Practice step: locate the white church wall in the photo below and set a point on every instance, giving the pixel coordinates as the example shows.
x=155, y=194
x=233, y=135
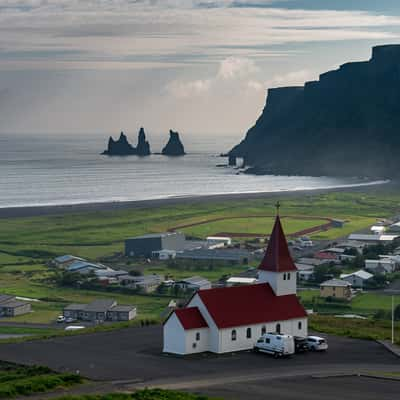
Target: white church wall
x=214, y=337
x=174, y=336
x=282, y=283
x=197, y=340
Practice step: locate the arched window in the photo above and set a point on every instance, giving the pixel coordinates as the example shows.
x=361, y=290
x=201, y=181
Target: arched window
x=263, y=330
x=288, y=276
x=278, y=328
x=284, y=277
x=233, y=335
x=299, y=325
x=197, y=336
x=248, y=333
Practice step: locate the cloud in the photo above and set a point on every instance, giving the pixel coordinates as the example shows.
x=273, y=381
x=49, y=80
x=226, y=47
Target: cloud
x=188, y=89
x=235, y=67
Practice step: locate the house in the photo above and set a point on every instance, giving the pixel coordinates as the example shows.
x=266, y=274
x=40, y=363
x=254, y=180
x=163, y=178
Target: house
x=305, y=272
x=394, y=227
x=378, y=229
x=358, y=278
x=193, y=283
x=374, y=238
x=240, y=280
x=100, y=310
x=66, y=260
x=146, y=283
x=312, y=261
x=381, y=266
x=232, y=319
x=146, y=245
x=84, y=267
x=10, y=306
x=338, y=288
x=215, y=242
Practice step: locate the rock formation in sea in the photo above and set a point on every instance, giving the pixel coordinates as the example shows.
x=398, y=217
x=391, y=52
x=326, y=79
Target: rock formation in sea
x=122, y=147
x=345, y=124
x=143, y=146
x=174, y=147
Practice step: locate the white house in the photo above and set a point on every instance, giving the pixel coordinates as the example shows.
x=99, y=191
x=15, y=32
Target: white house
x=231, y=319
x=358, y=278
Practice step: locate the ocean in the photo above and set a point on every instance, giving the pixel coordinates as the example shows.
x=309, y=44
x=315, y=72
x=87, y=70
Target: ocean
x=68, y=169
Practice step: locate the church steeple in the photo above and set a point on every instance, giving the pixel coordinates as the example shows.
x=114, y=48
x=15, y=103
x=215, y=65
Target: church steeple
x=277, y=267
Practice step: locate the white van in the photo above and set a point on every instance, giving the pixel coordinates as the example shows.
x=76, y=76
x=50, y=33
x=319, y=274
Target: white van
x=74, y=328
x=276, y=344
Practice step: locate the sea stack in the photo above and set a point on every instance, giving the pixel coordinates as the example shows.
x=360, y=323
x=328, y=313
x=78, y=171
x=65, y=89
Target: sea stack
x=143, y=146
x=174, y=147
x=122, y=147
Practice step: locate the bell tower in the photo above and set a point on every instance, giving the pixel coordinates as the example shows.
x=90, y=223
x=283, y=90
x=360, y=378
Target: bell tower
x=277, y=267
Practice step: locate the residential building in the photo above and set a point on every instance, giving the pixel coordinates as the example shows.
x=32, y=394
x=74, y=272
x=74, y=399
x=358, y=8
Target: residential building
x=215, y=242
x=10, y=306
x=374, y=238
x=336, y=288
x=146, y=245
x=358, y=278
x=381, y=266
x=145, y=283
x=66, y=260
x=100, y=310
x=236, y=256
x=231, y=319
x=193, y=283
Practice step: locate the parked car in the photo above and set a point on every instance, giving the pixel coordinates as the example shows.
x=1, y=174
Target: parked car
x=60, y=319
x=276, y=344
x=316, y=343
x=300, y=344
x=69, y=320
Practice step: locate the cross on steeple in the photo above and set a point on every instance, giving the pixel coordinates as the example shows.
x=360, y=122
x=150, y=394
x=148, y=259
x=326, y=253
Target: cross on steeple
x=278, y=206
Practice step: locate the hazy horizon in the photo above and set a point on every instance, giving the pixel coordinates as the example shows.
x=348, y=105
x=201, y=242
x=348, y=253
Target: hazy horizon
x=200, y=67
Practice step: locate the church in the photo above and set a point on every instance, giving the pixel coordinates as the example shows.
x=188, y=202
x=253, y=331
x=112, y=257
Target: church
x=231, y=319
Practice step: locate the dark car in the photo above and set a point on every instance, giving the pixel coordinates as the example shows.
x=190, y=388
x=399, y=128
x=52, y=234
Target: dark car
x=300, y=344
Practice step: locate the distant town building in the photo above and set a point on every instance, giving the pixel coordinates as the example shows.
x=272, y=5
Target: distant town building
x=239, y=280
x=146, y=245
x=145, y=283
x=100, y=310
x=194, y=283
x=374, y=238
x=66, y=260
x=358, y=278
x=336, y=288
x=381, y=266
x=10, y=306
x=236, y=256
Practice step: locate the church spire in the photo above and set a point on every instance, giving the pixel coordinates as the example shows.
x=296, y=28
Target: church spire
x=277, y=258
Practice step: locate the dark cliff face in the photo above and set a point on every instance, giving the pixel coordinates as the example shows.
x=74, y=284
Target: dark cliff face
x=122, y=147
x=345, y=124
x=174, y=147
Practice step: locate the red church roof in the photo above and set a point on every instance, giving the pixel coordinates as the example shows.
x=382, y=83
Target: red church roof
x=277, y=258
x=247, y=305
x=191, y=318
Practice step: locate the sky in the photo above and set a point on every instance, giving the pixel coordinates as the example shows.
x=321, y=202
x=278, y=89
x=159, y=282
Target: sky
x=201, y=67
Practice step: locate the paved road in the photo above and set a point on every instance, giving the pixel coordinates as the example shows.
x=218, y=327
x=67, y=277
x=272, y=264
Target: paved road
x=135, y=354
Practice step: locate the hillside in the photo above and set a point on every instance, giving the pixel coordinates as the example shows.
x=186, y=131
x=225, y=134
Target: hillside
x=345, y=124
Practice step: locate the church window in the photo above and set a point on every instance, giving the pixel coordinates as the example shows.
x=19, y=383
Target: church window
x=288, y=276
x=248, y=333
x=263, y=330
x=284, y=277
x=197, y=336
x=233, y=335
x=299, y=325
x=278, y=328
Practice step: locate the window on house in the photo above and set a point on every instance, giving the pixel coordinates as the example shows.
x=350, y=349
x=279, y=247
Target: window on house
x=263, y=330
x=198, y=336
x=299, y=325
x=284, y=277
x=194, y=345
x=233, y=335
x=248, y=333
x=288, y=276
x=278, y=328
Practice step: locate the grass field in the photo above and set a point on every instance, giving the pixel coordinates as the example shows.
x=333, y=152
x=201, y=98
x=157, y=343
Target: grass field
x=26, y=244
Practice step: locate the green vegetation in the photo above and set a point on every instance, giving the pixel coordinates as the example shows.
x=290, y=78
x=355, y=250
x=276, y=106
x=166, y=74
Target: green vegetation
x=21, y=330
x=27, y=244
x=22, y=381
x=369, y=329
x=147, y=394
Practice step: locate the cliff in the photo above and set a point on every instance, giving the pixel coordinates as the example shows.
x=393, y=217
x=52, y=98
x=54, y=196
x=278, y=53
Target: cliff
x=122, y=147
x=174, y=147
x=345, y=124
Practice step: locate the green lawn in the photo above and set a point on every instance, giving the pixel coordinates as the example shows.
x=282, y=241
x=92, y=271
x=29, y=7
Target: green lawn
x=13, y=330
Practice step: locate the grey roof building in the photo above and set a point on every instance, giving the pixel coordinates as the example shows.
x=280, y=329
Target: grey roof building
x=194, y=283
x=12, y=307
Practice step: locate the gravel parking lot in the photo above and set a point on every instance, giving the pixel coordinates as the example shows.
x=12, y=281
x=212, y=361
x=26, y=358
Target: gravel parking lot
x=135, y=354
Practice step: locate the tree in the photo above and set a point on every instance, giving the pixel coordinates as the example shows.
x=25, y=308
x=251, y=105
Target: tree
x=397, y=313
